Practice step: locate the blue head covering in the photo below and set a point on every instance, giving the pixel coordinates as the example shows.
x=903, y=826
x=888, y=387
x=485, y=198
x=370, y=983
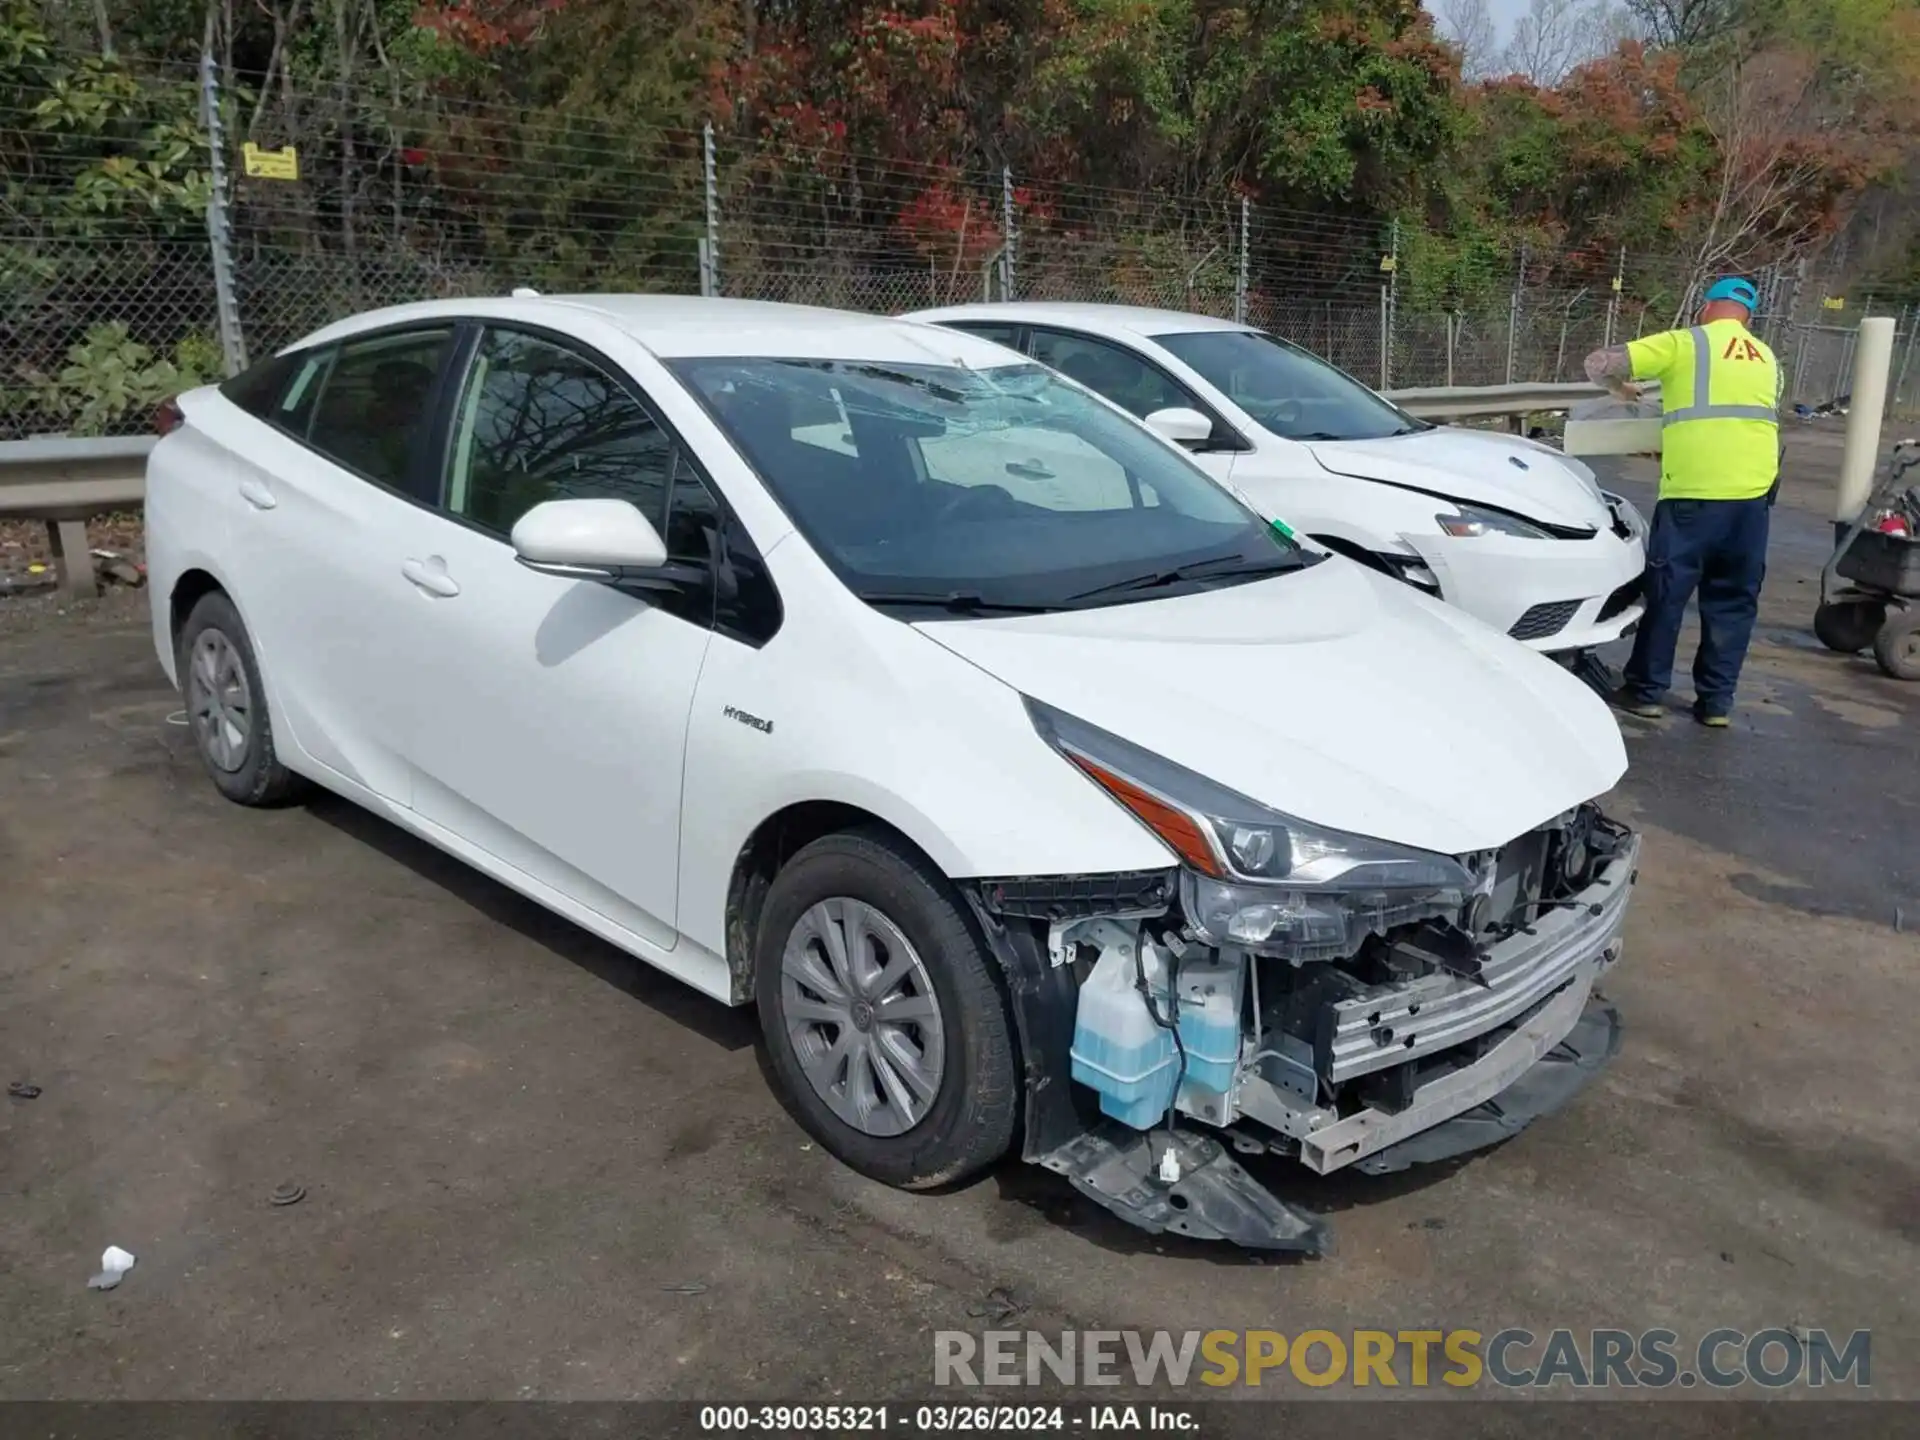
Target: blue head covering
x=1735, y=289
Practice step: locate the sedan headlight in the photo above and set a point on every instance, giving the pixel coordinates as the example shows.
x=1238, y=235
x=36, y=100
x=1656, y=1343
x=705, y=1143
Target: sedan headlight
x=1471, y=520
x=1255, y=877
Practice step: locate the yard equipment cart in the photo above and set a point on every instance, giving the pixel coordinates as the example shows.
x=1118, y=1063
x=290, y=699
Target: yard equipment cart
x=1881, y=607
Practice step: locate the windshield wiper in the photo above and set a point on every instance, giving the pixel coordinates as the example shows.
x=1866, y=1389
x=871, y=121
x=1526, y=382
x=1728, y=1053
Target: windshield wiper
x=1220, y=567
x=1318, y=435
x=961, y=602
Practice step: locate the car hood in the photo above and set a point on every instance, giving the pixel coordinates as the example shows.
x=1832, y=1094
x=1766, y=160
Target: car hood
x=1334, y=694
x=1504, y=471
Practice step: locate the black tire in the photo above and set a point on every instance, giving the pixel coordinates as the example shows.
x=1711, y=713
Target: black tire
x=971, y=1120
x=258, y=777
x=1897, y=646
x=1848, y=626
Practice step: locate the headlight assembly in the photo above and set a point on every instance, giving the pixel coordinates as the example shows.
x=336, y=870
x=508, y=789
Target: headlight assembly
x=1473, y=520
x=1251, y=875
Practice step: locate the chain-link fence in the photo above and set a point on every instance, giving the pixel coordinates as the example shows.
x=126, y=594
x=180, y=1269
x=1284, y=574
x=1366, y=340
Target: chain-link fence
x=110, y=243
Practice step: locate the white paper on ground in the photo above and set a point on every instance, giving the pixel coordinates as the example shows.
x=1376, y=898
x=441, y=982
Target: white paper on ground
x=114, y=1264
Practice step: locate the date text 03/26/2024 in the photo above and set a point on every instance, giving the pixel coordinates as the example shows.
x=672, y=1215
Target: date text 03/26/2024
x=943, y=1419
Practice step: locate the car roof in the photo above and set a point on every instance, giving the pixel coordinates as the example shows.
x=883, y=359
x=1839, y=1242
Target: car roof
x=687, y=326
x=1134, y=319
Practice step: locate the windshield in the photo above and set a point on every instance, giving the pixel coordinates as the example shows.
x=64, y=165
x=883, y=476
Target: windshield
x=980, y=490
x=1294, y=394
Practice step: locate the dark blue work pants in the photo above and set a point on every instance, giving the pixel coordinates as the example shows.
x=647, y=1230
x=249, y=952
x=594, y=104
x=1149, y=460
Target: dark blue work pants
x=1718, y=547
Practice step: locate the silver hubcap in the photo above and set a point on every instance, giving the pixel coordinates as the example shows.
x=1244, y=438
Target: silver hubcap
x=219, y=701
x=862, y=1015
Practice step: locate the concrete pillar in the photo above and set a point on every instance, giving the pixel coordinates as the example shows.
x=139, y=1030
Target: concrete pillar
x=1872, y=361
x=73, y=561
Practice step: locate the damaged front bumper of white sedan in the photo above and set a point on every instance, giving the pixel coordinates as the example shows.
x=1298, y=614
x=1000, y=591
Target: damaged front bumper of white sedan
x=1436, y=1037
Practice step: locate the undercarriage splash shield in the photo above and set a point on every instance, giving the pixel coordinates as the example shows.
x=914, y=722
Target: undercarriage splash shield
x=1214, y=1199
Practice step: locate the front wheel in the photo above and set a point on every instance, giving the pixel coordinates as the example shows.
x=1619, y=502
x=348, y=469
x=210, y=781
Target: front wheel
x=883, y=1015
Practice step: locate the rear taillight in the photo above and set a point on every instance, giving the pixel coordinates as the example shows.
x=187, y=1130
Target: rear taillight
x=167, y=418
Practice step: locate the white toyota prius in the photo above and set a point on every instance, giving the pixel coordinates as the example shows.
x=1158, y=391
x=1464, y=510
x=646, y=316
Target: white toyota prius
x=1508, y=529
x=1035, y=790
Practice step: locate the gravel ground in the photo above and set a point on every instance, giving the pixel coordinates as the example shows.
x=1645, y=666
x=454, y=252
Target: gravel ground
x=534, y=1168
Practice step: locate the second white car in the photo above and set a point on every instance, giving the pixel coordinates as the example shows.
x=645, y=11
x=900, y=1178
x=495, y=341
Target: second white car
x=1510, y=530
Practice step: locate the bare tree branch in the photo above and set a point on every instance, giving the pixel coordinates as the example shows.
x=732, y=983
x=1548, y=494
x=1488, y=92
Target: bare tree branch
x=1556, y=36
x=1467, y=25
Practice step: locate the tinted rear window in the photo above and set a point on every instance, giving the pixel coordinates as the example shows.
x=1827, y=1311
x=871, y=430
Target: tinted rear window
x=256, y=388
x=281, y=391
x=373, y=407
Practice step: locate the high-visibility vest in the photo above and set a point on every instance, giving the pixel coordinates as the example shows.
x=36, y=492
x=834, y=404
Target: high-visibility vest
x=1720, y=398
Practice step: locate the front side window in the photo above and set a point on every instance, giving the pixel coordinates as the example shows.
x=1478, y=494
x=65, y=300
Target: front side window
x=1290, y=391
x=540, y=422
x=979, y=489
x=1123, y=377
x=371, y=411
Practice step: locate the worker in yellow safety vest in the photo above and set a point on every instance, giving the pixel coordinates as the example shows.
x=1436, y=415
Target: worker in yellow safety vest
x=1719, y=473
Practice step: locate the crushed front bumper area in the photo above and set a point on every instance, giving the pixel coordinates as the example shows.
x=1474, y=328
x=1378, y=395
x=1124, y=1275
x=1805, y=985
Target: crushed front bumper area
x=1425, y=1071
x=1217, y=1199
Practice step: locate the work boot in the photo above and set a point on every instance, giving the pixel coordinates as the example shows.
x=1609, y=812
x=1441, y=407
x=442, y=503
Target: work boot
x=1711, y=719
x=1625, y=701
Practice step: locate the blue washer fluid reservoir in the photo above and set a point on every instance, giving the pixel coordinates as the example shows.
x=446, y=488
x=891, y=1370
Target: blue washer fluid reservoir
x=1118, y=1048
x=1210, y=992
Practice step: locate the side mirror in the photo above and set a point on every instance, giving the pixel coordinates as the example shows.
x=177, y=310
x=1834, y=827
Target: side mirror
x=1181, y=425
x=588, y=540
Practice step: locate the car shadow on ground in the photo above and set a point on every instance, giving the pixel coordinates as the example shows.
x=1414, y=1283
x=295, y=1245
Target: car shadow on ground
x=729, y=1027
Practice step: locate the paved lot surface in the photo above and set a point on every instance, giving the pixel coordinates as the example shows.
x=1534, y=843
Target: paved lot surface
x=535, y=1169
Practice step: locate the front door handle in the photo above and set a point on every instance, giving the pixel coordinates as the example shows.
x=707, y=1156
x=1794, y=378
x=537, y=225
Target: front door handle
x=257, y=495
x=431, y=576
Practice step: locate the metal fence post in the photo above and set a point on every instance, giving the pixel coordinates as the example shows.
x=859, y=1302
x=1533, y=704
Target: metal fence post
x=1613, y=301
x=1386, y=370
x=1786, y=301
x=1906, y=357
x=710, y=184
x=1389, y=313
x=233, y=345
x=1452, y=320
x=1513, y=311
x=1006, y=238
x=1240, y=280
x=1800, y=364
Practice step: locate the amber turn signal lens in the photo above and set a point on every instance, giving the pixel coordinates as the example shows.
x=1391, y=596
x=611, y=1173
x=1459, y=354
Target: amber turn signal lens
x=1172, y=825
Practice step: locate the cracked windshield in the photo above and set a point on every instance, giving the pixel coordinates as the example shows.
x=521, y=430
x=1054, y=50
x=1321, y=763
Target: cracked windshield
x=997, y=490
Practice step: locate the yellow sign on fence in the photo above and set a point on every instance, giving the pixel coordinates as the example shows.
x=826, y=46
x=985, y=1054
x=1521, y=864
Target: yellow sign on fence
x=1835, y=302
x=261, y=164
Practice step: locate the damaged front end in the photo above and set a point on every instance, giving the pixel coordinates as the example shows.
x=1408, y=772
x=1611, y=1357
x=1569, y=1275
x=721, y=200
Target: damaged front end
x=1296, y=992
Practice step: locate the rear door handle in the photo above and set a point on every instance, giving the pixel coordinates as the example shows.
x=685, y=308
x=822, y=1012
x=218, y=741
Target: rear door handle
x=257, y=495
x=431, y=576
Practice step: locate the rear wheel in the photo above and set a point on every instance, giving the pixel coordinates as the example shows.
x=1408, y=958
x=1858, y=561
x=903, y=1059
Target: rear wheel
x=882, y=1013
x=227, y=706
x=1897, y=646
x=1848, y=625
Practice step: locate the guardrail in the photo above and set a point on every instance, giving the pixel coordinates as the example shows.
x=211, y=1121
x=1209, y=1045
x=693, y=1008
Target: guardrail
x=66, y=482
x=1486, y=402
